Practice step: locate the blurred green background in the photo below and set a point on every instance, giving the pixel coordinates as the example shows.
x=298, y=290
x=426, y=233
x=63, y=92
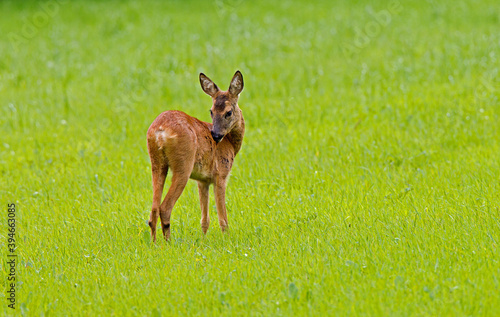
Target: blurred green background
x=368, y=181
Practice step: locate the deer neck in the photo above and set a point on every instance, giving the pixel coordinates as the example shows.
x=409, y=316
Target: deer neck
x=236, y=135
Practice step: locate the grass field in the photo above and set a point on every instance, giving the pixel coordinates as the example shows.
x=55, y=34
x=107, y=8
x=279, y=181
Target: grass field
x=368, y=182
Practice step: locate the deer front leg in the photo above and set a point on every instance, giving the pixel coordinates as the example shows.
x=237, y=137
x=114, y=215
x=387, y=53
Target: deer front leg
x=220, y=202
x=203, y=190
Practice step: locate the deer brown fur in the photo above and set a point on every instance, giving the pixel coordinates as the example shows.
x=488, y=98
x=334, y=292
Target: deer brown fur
x=194, y=149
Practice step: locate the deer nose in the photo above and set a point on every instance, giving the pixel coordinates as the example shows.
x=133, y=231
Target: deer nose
x=217, y=137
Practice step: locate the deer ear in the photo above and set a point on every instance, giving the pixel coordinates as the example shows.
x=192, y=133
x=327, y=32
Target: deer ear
x=208, y=86
x=236, y=85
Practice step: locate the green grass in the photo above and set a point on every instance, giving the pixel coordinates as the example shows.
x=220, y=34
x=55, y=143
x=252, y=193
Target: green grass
x=368, y=182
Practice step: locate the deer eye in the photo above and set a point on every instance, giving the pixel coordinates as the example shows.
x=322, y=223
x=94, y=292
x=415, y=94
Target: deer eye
x=229, y=113
x=211, y=114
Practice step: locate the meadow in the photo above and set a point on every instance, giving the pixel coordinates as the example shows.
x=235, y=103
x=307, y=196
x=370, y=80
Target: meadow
x=368, y=183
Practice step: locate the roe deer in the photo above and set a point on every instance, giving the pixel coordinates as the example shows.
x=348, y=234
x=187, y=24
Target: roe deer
x=191, y=148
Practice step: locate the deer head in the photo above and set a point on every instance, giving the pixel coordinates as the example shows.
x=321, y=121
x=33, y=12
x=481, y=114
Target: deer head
x=225, y=112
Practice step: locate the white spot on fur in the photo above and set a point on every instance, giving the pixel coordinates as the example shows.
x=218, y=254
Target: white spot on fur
x=162, y=137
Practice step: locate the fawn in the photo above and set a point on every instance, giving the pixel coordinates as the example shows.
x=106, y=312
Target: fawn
x=198, y=150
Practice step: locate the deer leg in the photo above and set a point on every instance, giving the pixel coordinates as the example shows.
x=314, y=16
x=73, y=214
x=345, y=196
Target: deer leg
x=203, y=190
x=159, y=174
x=179, y=181
x=220, y=202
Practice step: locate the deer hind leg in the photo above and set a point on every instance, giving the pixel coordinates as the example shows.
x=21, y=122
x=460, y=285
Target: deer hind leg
x=203, y=190
x=159, y=173
x=181, y=170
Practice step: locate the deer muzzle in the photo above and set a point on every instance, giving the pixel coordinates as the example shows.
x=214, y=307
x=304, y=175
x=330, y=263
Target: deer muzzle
x=217, y=137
